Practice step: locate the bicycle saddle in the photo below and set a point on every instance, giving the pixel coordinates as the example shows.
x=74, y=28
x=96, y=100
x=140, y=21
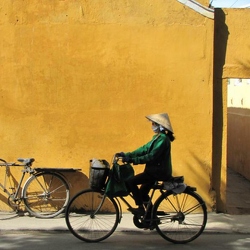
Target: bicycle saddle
x=26, y=161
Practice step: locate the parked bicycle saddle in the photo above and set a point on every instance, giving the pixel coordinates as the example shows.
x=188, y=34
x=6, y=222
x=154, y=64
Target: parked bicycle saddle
x=26, y=161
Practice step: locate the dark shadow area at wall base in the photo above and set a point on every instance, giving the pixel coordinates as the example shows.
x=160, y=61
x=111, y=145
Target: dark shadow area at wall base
x=238, y=193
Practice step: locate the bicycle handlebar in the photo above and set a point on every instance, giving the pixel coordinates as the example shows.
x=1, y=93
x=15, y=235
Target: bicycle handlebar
x=116, y=159
x=3, y=160
x=6, y=163
x=26, y=162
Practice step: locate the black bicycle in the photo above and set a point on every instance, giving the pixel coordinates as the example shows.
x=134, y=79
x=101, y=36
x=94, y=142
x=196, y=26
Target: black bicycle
x=178, y=214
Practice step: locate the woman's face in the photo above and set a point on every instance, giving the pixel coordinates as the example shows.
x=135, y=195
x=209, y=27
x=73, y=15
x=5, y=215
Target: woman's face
x=155, y=127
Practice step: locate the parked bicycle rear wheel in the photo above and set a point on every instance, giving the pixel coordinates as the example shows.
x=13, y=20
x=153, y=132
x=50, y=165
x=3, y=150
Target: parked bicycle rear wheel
x=182, y=217
x=91, y=216
x=46, y=195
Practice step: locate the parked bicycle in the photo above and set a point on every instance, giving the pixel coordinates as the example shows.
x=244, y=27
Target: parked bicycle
x=45, y=193
x=178, y=214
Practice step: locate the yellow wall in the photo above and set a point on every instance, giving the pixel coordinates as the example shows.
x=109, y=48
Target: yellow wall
x=237, y=62
x=78, y=78
x=231, y=60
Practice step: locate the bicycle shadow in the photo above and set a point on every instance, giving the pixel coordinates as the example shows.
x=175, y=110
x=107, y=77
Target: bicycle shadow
x=77, y=181
x=4, y=200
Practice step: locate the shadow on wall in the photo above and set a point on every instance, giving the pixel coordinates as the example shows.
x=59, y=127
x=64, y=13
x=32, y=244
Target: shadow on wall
x=220, y=45
x=77, y=182
x=202, y=178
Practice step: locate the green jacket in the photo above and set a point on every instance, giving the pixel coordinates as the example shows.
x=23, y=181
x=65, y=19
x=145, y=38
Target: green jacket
x=156, y=154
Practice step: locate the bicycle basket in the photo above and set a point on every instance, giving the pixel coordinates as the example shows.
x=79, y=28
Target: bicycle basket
x=98, y=173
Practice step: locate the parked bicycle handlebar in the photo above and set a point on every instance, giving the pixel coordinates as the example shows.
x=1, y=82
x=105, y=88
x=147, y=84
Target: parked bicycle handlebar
x=25, y=162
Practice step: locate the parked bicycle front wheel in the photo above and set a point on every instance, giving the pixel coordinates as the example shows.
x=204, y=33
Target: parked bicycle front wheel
x=182, y=217
x=46, y=195
x=91, y=216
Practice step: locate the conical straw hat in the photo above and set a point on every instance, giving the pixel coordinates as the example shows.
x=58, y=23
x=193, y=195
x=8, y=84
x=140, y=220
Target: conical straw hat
x=161, y=119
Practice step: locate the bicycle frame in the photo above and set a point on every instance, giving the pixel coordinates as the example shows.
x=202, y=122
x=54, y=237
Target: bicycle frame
x=13, y=196
x=149, y=205
x=17, y=195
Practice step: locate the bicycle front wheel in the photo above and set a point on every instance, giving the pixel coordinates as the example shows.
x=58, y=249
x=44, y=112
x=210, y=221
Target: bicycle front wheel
x=46, y=195
x=181, y=217
x=91, y=216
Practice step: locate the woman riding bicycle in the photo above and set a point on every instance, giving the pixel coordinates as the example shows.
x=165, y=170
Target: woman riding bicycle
x=179, y=217
x=156, y=154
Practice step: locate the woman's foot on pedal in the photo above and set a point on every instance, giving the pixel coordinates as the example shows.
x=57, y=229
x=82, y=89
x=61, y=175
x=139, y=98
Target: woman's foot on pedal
x=152, y=224
x=137, y=211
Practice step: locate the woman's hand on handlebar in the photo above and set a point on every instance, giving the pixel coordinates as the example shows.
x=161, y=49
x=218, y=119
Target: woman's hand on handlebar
x=123, y=157
x=126, y=159
x=121, y=154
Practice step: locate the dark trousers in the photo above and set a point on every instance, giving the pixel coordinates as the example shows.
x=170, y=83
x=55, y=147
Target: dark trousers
x=140, y=195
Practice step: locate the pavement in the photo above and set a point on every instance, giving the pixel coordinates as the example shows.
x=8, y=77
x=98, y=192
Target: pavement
x=236, y=220
x=217, y=223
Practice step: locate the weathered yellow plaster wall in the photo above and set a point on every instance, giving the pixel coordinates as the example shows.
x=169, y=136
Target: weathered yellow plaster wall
x=78, y=77
x=237, y=63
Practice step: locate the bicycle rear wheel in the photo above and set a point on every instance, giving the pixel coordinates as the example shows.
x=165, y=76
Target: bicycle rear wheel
x=46, y=195
x=91, y=216
x=182, y=217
